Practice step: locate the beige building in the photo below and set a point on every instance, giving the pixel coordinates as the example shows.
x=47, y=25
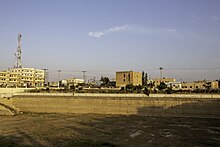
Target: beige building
x=199, y=85
x=124, y=78
x=165, y=80
x=193, y=85
x=214, y=85
x=22, y=77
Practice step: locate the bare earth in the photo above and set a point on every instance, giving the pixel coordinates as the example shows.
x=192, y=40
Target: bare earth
x=111, y=130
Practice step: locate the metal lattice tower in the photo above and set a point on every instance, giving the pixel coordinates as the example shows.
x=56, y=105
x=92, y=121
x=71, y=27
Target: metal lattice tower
x=18, y=63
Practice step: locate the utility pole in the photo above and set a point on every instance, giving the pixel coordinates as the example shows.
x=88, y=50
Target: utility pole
x=18, y=63
x=84, y=76
x=161, y=72
x=59, y=77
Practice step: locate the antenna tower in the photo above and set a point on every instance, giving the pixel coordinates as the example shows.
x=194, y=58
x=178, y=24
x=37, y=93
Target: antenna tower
x=18, y=63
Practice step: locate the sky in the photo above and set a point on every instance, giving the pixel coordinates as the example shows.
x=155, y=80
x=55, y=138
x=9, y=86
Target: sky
x=105, y=36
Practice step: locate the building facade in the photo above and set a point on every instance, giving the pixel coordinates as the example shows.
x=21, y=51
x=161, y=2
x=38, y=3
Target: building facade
x=124, y=78
x=22, y=77
x=74, y=81
x=165, y=80
x=174, y=85
x=200, y=85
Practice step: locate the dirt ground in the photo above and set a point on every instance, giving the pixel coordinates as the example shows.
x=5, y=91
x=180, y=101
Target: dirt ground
x=111, y=130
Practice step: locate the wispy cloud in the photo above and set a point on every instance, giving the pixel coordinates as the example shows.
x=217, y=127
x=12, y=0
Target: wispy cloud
x=109, y=31
x=132, y=29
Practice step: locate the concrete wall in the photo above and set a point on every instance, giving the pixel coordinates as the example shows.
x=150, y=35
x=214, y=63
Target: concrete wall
x=13, y=90
x=122, y=95
x=143, y=106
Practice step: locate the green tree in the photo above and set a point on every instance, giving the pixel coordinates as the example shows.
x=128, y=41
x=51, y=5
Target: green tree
x=105, y=81
x=169, y=90
x=145, y=79
x=129, y=87
x=146, y=91
x=207, y=86
x=138, y=88
x=162, y=86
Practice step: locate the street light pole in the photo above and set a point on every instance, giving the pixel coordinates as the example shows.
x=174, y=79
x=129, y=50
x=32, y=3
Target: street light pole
x=161, y=72
x=59, y=78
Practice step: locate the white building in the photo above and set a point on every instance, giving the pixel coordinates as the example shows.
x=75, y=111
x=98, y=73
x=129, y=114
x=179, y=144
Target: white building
x=174, y=85
x=74, y=81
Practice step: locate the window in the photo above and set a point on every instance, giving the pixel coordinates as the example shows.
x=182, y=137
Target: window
x=190, y=86
x=124, y=80
x=124, y=75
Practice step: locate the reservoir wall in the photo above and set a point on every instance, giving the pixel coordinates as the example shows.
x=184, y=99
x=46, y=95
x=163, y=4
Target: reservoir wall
x=142, y=106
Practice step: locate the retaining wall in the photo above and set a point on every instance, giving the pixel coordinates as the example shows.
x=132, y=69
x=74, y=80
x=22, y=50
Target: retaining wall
x=143, y=106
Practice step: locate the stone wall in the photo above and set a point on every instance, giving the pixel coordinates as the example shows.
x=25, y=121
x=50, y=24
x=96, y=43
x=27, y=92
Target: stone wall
x=143, y=106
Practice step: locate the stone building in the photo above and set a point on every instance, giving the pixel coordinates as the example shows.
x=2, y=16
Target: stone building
x=124, y=78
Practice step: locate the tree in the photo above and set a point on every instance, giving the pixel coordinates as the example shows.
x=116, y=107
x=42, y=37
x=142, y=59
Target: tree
x=146, y=91
x=162, y=86
x=151, y=84
x=72, y=88
x=138, y=88
x=207, y=86
x=129, y=87
x=169, y=90
x=105, y=81
x=145, y=79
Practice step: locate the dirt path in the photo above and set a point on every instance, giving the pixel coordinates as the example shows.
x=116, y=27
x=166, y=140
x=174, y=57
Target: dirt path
x=100, y=130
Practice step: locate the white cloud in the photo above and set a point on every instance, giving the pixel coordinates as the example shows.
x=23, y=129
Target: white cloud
x=109, y=31
x=132, y=29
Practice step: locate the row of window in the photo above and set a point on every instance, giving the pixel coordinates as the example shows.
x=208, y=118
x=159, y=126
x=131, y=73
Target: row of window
x=28, y=71
x=190, y=86
x=162, y=81
x=31, y=75
x=3, y=75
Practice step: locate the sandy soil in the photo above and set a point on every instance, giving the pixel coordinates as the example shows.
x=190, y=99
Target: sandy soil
x=100, y=130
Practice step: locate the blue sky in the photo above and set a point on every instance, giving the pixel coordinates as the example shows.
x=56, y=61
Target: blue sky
x=104, y=36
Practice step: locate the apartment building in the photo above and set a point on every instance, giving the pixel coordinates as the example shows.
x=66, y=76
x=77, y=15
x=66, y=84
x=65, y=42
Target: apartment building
x=22, y=77
x=4, y=78
x=124, y=78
